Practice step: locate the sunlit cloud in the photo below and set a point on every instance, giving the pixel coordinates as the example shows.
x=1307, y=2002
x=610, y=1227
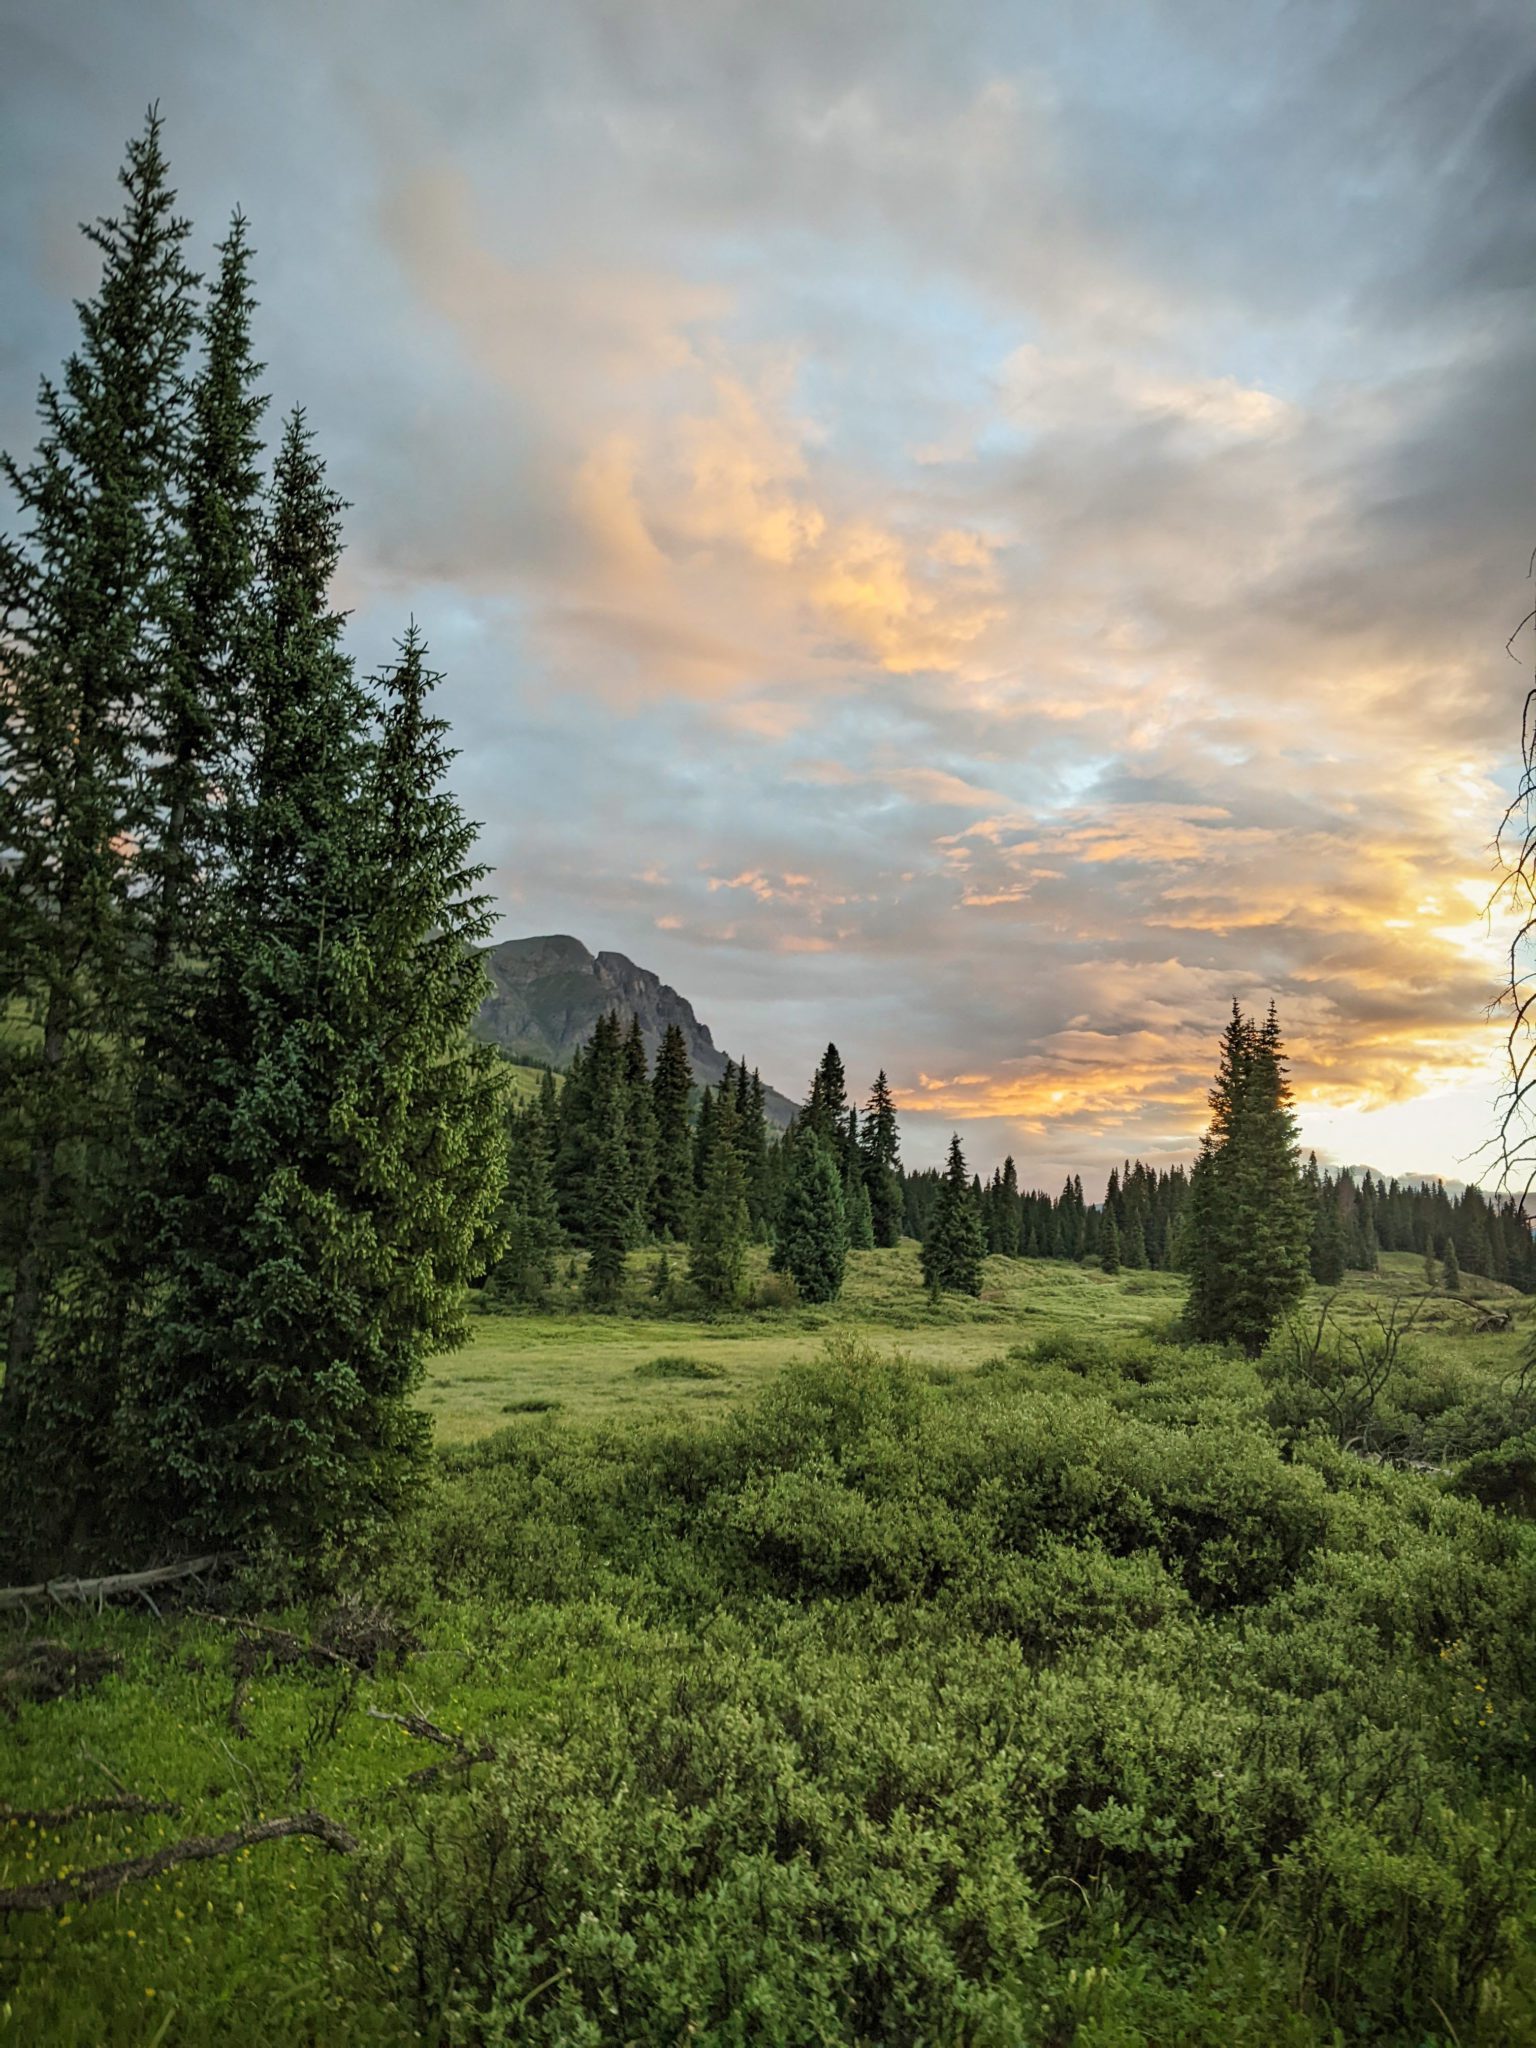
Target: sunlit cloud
x=984, y=546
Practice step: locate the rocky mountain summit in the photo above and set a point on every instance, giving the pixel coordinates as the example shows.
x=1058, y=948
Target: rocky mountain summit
x=547, y=993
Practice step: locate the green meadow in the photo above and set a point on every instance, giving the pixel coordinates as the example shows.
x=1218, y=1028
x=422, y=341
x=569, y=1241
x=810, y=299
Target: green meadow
x=592, y=1368
x=1000, y=1672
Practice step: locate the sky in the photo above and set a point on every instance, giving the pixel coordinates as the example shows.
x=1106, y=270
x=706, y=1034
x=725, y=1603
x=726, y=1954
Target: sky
x=980, y=532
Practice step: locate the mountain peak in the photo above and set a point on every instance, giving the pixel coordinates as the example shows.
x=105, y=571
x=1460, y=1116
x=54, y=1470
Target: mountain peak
x=547, y=993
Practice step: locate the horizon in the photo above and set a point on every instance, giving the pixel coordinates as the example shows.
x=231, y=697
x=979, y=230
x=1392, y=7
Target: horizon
x=980, y=547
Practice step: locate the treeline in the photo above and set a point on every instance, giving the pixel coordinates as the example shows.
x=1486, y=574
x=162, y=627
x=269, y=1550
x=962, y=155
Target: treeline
x=1352, y=1224
x=626, y=1154
x=249, y=1154
x=1136, y=1225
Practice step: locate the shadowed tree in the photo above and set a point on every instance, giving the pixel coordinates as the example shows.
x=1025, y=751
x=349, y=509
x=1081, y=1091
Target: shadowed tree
x=86, y=595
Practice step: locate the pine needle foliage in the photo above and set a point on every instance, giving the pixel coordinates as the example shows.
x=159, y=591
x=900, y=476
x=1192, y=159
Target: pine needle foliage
x=85, y=598
x=954, y=1247
x=1248, y=1220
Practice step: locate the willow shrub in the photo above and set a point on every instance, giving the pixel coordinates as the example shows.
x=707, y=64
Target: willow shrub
x=1034, y=1708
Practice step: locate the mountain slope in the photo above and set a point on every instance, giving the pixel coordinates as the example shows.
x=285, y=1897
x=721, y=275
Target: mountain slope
x=547, y=993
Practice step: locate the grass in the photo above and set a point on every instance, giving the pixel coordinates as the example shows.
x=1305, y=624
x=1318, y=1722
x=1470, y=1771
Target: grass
x=593, y=1368
x=241, y=1945
x=264, y=1947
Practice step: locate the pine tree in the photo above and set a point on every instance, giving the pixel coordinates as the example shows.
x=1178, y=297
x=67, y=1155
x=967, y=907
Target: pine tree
x=1431, y=1272
x=1248, y=1220
x=703, y=1143
x=1452, y=1267
x=196, y=706
x=596, y=1076
x=880, y=1147
x=672, y=1190
x=608, y=1223
x=640, y=1132
x=826, y=1109
x=530, y=1220
x=857, y=1210
x=812, y=1240
x=1008, y=1210
x=755, y=1151
x=718, y=1252
x=1327, y=1250
x=85, y=596
x=1109, y=1246
x=953, y=1250
x=331, y=1173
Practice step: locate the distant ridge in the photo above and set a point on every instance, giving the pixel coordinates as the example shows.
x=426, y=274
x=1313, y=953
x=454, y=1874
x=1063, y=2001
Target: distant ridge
x=547, y=993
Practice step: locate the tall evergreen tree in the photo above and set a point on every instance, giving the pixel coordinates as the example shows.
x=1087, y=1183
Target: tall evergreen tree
x=85, y=596
x=718, y=1251
x=673, y=1188
x=859, y=1216
x=1008, y=1210
x=1249, y=1222
x=812, y=1240
x=1327, y=1250
x=332, y=1171
x=1109, y=1246
x=530, y=1218
x=826, y=1109
x=880, y=1146
x=639, y=1131
x=608, y=1221
x=753, y=1112
x=1452, y=1267
x=954, y=1247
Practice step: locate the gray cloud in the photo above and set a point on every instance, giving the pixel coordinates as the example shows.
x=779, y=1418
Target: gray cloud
x=978, y=537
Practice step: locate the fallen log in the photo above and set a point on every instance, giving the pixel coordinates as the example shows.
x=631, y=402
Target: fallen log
x=83, y=1809
x=86, y=1885
x=61, y=1591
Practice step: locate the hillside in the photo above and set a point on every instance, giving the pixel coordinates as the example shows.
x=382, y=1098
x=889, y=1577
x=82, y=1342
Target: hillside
x=547, y=993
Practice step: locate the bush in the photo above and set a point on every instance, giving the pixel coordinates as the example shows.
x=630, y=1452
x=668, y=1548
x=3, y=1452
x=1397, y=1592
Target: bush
x=675, y=1366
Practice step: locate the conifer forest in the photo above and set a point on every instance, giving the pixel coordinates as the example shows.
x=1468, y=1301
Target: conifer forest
x=501, y=1552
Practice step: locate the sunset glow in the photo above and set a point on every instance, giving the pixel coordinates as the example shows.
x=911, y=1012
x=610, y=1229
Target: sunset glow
x=931, y=544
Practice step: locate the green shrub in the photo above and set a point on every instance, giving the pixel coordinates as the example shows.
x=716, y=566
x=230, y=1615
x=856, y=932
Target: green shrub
x=675, y=1366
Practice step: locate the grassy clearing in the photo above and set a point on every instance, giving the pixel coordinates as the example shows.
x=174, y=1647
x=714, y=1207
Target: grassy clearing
x=587, y=1368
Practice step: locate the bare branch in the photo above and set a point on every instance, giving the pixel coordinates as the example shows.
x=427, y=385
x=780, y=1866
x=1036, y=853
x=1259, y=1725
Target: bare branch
x=61, y=1591
x=109, y=1878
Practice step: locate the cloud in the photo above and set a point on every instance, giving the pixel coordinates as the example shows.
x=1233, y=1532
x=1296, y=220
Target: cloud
x=983, y=545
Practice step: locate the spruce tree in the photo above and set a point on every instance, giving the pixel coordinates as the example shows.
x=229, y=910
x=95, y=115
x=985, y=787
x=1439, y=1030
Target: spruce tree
x=857, y=1210
x=608, y=1221
x=640, y=1131
x=1327, y=1248
x=85, y=598
x=755, y=1153
x=530, y=1219
x=331, y=1172
x=1248, y=1219
x=718, y=1252
x=595, y=1076
x=953, y=1249
x=1008, y=1210
x=1452, y=1267
x=811, y=1243
x=826, y=1109
x=880, y=1146
x=1109, y=1246
x=672, y=1191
